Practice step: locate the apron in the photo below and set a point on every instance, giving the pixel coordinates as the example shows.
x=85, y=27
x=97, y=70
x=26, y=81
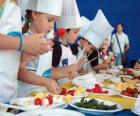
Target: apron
x=10, y=24
x=67, y=58
x=42, y=66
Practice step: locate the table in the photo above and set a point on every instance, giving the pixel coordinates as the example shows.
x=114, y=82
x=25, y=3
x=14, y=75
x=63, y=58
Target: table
x=125, y=102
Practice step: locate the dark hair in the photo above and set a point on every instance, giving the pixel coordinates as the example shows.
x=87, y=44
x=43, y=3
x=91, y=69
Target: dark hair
x=28, y=18
x=120, y=24
x=68, y=30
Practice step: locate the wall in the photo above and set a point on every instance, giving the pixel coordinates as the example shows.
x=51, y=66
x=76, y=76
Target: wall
x=125, y=11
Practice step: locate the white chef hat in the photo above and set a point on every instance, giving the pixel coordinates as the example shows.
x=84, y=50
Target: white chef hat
x=53, y=7
x=85, y=25
x=23, y=5
x=70, y=15
x=50, y=35
x=99, y=30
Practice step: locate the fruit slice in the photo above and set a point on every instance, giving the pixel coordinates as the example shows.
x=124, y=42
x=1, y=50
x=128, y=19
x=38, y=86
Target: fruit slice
x=38, y=101
x=50, y=99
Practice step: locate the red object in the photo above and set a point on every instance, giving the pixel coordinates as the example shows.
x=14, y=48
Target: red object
x=50, y=99
x=97, y=89
x=38, y=101
x=130, y=92
x=63, y=91
x=71, y=92
x=60, y=32
x=127, y=71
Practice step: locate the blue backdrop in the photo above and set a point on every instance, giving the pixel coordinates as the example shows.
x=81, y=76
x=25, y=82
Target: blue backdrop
x=125, y=11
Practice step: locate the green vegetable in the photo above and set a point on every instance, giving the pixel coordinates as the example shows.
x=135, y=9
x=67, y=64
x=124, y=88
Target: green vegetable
x=94, y=104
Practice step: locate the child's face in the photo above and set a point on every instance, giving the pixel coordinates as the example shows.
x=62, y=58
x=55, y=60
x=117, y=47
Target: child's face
x=42, y=22
x=85, y=44
x=105, y=45
x=72, y=35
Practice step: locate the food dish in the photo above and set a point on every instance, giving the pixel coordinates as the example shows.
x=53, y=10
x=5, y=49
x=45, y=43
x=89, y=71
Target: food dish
x=98, y=90
x=111, y=106
x=31, y=103
x=131, y=93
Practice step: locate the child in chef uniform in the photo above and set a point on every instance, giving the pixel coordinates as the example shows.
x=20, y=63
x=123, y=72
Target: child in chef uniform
x=93, y=38
x=41, y=16
x=64, y=59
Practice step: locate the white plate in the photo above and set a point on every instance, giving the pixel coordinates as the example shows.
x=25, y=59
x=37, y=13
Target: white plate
x=111, y=92
x=6, y=114
x=128, y=97
x=97, y=112
x=126, y=76
x=27, y=103
x=51, y=112
x=135, y=112
x=86, y=81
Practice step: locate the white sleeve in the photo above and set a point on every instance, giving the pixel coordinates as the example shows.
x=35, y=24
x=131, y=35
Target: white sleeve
x=126, y=40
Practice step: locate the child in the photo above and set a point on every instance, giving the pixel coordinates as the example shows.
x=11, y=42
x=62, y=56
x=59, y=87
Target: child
x=64, y=59
x=46, y=13
x=92, y=38
x=10, y=24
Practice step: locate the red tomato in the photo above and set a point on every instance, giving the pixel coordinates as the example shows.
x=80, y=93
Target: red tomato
x=63, y=91
x=50, y=99
x=71, y=92
x=38, y=101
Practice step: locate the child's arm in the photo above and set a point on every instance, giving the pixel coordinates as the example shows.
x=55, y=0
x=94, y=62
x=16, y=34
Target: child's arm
x=98, y=67
x=69, y=72
x=31, y=78
x=34, y=44
x=8, y=42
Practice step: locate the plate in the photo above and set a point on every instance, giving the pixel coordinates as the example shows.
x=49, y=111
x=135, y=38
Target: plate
x=111, y=92
x=51, y=112
x=135, y=112
x=128, y=97
x=86, y=81
x=27, y=103
x=6, y=114
x=97, y=112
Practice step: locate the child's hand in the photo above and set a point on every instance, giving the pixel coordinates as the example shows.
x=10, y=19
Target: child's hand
x=81, y=62
x=50, y=42
x=35, y=44
x=72, y=71
x=52, y=86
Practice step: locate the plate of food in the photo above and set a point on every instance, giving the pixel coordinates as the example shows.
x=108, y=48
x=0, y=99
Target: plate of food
x=98, y=90
x=51, y=112
x=40, y=101
x=131, y=93
x=130, y=81
x=96, y=106
x=127, y=71
x=75, y=92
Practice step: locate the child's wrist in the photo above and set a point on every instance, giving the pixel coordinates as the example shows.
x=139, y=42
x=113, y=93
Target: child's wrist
x=20, y=43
